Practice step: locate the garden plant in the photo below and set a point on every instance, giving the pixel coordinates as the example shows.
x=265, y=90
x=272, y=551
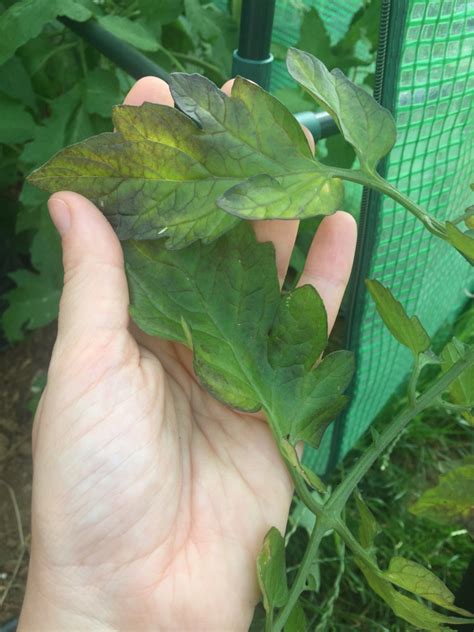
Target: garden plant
x=177, y=185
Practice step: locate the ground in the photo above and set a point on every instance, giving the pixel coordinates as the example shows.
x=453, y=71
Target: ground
x=20, y=366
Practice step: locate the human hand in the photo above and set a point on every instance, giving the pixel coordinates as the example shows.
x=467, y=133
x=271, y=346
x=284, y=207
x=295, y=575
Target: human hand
x=150, y=498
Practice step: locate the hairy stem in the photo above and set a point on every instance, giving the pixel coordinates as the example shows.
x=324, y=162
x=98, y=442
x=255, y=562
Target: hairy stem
x=375, y=181
x=329, y=514
x=413, y=380
x=318, y=533
x=346, y=487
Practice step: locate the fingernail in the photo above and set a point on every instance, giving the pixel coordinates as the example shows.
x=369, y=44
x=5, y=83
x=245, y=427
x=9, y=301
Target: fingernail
x=60, y=214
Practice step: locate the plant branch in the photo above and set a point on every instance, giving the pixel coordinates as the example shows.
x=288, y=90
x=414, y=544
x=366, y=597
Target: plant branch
x=368, y=458
x=413, y=381
x=320, y=529
x=375, y=181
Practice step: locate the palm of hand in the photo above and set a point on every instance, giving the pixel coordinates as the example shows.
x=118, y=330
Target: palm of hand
x=162, y=487
x=150, y=498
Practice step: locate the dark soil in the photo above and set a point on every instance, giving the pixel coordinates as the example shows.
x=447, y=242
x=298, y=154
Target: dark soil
x=20, y=367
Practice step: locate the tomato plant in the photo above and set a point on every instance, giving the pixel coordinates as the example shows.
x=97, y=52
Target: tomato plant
x=176, y=184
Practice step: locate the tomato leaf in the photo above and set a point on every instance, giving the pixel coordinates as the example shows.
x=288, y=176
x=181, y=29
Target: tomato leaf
x=450, y=502
x=25, y=19
x=464, y=242
x=368, y=527
x=228, y=297
x=407, y=330
x=271, y=570
x=296, y=622
x=461, y=390
x=422, y=582
x=164, y=169
x=365, y=124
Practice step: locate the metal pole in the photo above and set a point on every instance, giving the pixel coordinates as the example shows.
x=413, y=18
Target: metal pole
x=253, y=59
x=125, y=56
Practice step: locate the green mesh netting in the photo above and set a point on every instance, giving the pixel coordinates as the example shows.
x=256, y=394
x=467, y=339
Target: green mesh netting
x=432, y=163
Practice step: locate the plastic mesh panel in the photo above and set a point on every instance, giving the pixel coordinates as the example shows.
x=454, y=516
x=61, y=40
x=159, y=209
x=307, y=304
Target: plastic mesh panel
x=432, y=162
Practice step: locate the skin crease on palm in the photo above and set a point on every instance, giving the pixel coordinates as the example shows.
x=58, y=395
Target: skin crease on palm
x=150, y=498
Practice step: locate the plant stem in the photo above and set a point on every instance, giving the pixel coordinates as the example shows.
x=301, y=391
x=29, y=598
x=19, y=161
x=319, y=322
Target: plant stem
x=329, y=514
x=298, y=586
x=346, y=487
x=413, y=380
x=375, y=181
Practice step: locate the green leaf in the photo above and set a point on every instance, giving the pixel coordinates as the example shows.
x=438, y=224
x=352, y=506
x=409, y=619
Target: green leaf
x=52, y=134
x=163, y=171
x=407, y=330
x=32, y=304
x=451, y=501
x=368, y=527
x=164, y=11
x=315, y=40
x=271, y=570
x=422, y=582
x=461, y=390
x=296, y=622
x=463, y=242
x=25, y=20
x=16, y=124
x=228, y=295
x=15, y=82
x=129, y=31
x=102, y=92
x=416, y=613
x=365, y=124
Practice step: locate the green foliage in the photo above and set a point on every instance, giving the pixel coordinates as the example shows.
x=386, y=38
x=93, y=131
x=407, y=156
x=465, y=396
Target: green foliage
x=271, y=570
x=365, y=124
x=450, y=502
x=192, y=165
x=233, y=321
x=55, y=91
x=25, y=20
x=407, y=330
x=461, y=392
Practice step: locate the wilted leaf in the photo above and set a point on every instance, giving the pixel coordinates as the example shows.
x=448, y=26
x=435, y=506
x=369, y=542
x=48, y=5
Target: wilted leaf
x=271, y=570
x=162, y=172
x=25, y=19
x=365, y=124
x=422, y=582
x=451, y=501
x=228, y=296
x=407, y=330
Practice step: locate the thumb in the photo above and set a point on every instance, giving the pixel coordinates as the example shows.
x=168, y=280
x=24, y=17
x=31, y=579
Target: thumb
x=95, y=293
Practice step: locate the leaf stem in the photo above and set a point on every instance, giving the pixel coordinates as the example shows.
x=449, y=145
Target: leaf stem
x=318, y=533
x=413, y=381
x=346, y=487
x=375, y=181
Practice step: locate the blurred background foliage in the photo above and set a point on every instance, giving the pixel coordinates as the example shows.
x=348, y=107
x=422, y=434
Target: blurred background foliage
x=56, y=90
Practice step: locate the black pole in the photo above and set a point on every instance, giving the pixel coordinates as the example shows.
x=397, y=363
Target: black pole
x=253, y=59
x=125, y=56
